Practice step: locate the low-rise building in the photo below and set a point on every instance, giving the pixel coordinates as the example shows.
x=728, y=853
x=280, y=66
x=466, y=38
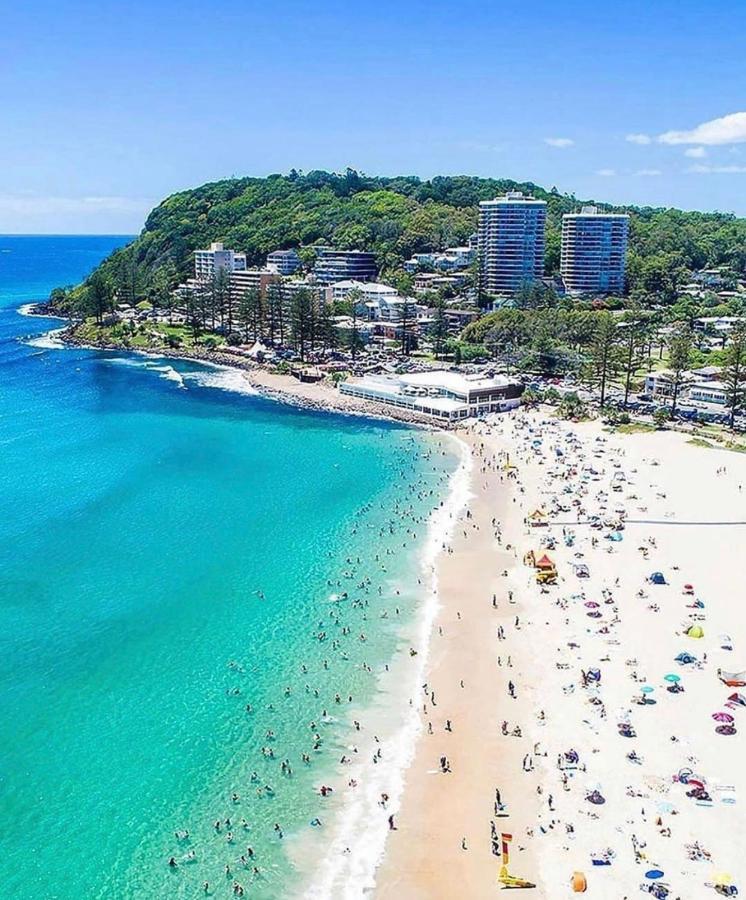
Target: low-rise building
x=449, y=259
x=341, y=265
x=443, y=394
x=707, y=392
x=369, y=291
x=430, y=281
x=283, y=262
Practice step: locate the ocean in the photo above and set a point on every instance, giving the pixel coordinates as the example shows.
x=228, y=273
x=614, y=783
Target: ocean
x=198, y=587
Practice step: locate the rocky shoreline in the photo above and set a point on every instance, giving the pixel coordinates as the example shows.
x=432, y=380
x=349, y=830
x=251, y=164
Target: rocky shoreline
x=320, y=396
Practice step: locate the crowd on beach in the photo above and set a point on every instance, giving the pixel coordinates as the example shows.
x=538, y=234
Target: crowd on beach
x=617, y=685
x=627, y=717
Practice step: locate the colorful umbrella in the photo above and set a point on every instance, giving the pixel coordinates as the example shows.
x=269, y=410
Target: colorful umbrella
x=725, y=729
x=654, y=874
x=672, y=678
x=591, y=604
x=647, y=689
x=723, y=717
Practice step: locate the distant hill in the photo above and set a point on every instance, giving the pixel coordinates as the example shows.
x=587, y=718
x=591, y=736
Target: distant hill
x=396, y=217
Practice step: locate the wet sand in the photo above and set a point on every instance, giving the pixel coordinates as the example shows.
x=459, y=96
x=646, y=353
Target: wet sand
x=425, y=858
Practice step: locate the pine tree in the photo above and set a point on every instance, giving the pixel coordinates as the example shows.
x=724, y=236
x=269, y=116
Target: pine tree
x=734, y=372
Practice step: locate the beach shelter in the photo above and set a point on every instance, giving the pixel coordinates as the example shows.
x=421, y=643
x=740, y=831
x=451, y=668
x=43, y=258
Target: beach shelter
x=732, y=679
x=657, y=578
x=738, y=698
x=695, y=631
x=544, y=563
x=537, y=517
x=687, y=658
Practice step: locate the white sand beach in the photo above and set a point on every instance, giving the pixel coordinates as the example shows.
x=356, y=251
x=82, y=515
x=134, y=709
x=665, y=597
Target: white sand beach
x=598, y=782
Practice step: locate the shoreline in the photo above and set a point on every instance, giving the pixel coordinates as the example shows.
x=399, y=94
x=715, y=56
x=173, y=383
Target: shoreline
x=425, y=856
x=319, y=396
x=645, y=819
x=359, y=843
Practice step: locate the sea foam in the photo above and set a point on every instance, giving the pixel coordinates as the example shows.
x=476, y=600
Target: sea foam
x=360, y=828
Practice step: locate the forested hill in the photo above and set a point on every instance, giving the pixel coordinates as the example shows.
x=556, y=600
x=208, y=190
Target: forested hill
x=396, y=217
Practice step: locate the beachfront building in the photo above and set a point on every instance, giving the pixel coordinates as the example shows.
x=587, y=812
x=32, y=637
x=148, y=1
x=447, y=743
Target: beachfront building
x=709, y=393
x=442, y=394
x=207, y=263
x=343, y=265
x=511, y=242
x=594, y=251
x=252, y=279
x=283, y=262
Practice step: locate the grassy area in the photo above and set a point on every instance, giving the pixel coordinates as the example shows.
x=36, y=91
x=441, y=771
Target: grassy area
x=144, y=336
x=701, y=442
x=632, y=428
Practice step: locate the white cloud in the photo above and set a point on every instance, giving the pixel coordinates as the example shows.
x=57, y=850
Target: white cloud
x=606, y=173
x=559, y=142
x=729, y=129
x=700, y=169
x=695, y=152
x=639, y=139
x=648, y=172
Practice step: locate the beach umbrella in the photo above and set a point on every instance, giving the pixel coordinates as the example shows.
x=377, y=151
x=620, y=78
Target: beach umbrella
x=647, y=689
x=725, y=729
x=723, y=717
x=654, y=874
x=673, y=678
x=591, y=604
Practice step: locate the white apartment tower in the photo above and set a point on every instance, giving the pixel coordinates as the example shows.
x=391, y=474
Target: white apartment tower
x=594, y=248
x=511, y=242
x=208, y=263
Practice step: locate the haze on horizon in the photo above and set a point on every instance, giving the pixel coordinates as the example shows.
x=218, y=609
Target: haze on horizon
x=106, y=112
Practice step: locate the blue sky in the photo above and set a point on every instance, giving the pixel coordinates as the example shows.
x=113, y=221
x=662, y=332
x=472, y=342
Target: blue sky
x=105, y=108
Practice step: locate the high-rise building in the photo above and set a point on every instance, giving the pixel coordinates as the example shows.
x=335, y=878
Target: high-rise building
x=594, y=248
x=511, y=242
x=209, y=262
x=343, y=265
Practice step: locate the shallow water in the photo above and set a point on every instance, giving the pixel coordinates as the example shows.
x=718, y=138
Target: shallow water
x=143, y=504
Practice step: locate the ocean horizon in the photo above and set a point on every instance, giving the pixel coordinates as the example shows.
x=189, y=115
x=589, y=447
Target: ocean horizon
x=199, y=587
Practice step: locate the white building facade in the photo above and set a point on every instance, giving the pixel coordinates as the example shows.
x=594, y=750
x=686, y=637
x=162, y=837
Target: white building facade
x=594, y=251
x=511, y=242
x=207, y=263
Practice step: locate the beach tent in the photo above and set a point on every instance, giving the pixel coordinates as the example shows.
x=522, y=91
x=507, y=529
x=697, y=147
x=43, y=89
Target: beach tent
x=537, y=517
x=732, y=679
x=695, y=631
x=737, y=698
x=657, y=578
x=544, y=562
x=615, y=536
x=687, y=658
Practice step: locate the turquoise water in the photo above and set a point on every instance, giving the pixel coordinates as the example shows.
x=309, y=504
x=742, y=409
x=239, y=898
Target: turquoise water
x=168, y=548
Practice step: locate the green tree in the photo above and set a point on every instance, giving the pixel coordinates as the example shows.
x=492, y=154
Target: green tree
x=734, y=372
x=250, y=313
x=99, y=297
x=604, y=353
x=439, y=328
x=679, y=360
x=634, y=344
